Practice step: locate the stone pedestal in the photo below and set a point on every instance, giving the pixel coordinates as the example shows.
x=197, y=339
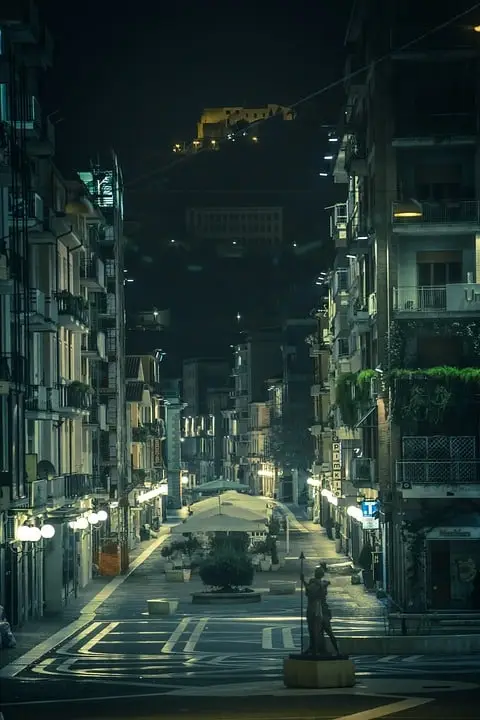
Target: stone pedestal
x=304, y=671
x=162, y=607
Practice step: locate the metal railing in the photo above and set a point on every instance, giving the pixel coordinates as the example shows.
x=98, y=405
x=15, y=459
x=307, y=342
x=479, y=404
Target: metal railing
x=73, y=305
x=13, y=368
x=74, y=396
x=56, y=490
x=78, y=485
x=420, y=299
x=440, y=472
x=441, y=213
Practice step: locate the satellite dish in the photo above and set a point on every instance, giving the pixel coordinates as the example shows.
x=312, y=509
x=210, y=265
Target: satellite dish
x=45, y=470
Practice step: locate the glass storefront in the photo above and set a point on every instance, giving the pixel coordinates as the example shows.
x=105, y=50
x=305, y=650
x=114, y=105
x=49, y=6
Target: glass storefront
x=453, y=574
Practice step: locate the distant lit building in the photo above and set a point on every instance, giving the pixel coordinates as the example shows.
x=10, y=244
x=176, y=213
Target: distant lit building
x=217, y=123
x=252, y=229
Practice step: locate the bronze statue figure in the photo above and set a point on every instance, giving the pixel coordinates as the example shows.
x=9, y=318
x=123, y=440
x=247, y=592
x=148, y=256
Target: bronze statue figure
x=318, y=614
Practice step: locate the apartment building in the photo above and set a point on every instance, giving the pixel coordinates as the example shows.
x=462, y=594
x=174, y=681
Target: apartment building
x=404, y=305
x=255, y=360
x=205, y=393
x=146, y=435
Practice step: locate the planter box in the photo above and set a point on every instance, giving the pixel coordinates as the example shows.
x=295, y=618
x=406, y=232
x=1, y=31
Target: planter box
x=305, y=672
x=265, y=565
x=175, y=576
x=282, y=587
x=206, y=598
x=338, y=545
x=275, y=568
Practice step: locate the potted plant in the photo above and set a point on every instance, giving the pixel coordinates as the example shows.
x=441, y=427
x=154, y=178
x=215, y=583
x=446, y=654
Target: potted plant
x=167, y=552
x=262, y=549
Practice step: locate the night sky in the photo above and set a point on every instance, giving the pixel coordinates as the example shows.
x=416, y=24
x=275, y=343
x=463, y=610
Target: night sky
x=138, y=82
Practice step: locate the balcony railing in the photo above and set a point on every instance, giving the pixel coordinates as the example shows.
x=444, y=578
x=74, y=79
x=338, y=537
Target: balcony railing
x=78, y=485
x=13, y=368
x=466, y=212
x=56, y=491
x=75, y=395
x=455, y=297
x=74, y=306
x=92, y=274
x=41, y=399
x=439, y=447
x=439, y=472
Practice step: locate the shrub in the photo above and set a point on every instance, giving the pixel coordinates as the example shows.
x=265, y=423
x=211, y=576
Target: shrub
x=166, y=551
x=236, y=542
x=227, y=571
x=273, y=526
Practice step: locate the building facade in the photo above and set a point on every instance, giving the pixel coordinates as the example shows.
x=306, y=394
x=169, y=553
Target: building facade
x=237, y=229
x=404, y=299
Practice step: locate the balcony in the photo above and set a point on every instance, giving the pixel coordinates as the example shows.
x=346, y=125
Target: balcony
x=13, y=369
x=454, y=128
x=93, y=347
x=355, y=157
x=359, y=316
x=31, y=124
x=460, y=299
x=72, y=311
x=27, y=208
x=140, y=434
x=107, y=306
x=436, y=218
x=438, y=478
x=37, y=494
x=92, y=275
x=74, y=399
x=78, y=486
x=97, y=416
x=56, y=492
x=41, y=403
x=338, y=225
x=41, y=311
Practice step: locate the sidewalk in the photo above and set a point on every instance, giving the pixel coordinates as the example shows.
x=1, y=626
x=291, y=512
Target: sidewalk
x=79, y=609
x=346, y=600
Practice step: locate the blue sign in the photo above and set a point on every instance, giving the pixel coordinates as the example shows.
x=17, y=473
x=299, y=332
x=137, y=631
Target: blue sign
x=369, y=508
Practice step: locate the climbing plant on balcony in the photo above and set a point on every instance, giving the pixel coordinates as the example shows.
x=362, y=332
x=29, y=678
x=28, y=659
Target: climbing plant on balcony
x=425, y=395
x=402, y=332
x=352, y=395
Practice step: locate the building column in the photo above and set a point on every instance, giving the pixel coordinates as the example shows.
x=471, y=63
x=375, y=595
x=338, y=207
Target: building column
x=54, y=569
x=174, y=457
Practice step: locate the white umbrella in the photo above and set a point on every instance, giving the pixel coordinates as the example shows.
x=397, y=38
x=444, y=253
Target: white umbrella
x=218, y=523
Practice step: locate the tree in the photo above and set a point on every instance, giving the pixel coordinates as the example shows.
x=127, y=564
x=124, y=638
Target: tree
x=236, y=542
x=290, y=440
x=227, y=570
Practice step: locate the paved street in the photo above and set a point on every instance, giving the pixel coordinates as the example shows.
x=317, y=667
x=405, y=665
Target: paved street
x=116, y=651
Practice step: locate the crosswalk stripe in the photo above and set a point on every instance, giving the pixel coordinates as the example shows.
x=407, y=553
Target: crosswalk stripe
x=176, y=635
x=267, y=638
x=287, y=638
x=196, y=635
x=411, y=658
x=387, y=658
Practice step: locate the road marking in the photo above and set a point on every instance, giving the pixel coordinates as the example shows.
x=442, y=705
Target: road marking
x=412, y=658
x=67, y=647
x=90, y=644
x=267, y=638
x=387, y=658
x=87, y=614
x=196, y=635
x=176, y=635
x=390, y=709
x=287, y=638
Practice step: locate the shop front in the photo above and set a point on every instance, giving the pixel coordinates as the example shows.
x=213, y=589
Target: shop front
x=453, y=568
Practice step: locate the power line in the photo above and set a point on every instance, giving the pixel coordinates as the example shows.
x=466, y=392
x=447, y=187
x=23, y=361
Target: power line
x=316, y=93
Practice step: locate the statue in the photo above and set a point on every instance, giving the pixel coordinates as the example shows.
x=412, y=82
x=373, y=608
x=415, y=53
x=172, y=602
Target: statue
x=318, y=613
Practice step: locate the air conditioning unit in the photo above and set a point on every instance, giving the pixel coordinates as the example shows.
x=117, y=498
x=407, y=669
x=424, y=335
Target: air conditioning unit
x=362, y=472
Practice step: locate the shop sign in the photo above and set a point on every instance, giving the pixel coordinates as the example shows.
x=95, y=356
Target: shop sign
x=369, y=508
x=157, y=452
x=458, y=533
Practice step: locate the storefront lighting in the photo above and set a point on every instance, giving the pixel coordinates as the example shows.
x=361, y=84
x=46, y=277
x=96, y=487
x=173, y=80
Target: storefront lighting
x=47, y=531
x=313, y=482
x=151, y=494
x=355, y=513
x=102, y=515
x=332, y=499
x=81, y=523
x=185, y=480
x=92, y=518
x=23, y=533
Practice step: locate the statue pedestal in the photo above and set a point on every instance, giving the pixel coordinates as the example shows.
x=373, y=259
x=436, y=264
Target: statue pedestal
x=321, y=672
